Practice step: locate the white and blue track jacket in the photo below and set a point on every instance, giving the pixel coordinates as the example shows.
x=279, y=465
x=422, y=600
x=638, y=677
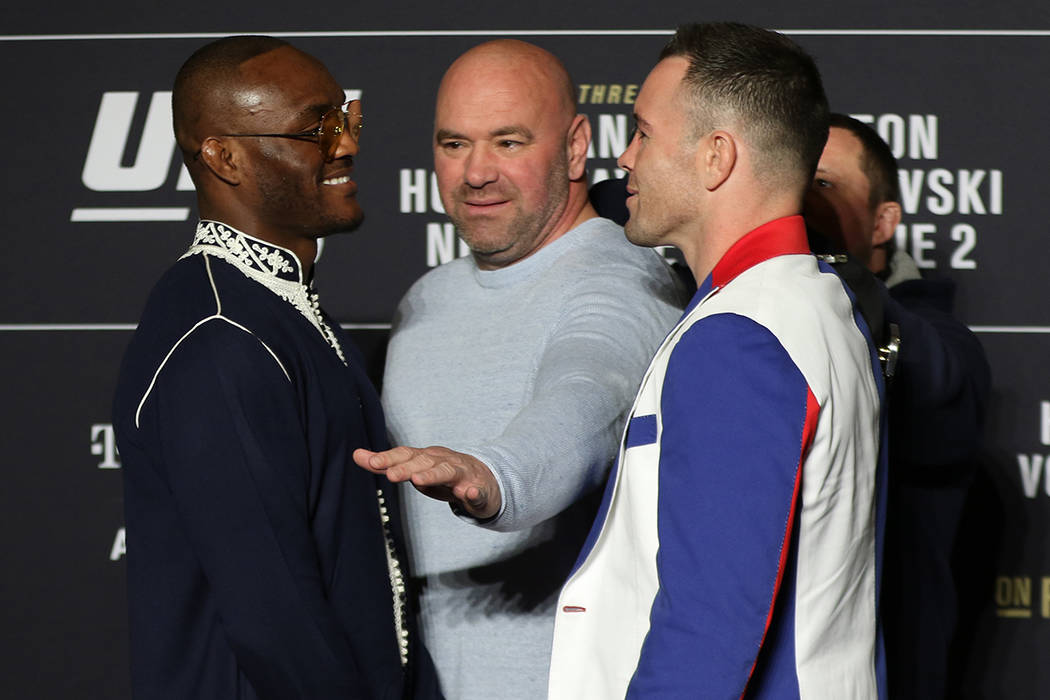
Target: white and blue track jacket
x=737, y=549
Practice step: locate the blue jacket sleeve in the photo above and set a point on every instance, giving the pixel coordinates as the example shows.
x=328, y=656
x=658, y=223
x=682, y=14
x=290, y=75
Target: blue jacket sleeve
x=734, y=424
x=234, y=456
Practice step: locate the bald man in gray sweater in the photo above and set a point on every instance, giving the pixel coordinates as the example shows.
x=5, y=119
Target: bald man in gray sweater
x=520, y=362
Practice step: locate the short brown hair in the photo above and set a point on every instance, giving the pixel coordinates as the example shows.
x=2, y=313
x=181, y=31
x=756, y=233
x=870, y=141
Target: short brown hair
x=763, y=78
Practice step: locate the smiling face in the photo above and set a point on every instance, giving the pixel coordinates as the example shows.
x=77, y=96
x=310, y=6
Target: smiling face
x=663, y=185
x=292, y=191
x=500, y=151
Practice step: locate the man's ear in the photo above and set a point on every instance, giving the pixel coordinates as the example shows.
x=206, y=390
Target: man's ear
x=221, y=160
x=578, y=141
x=716, y=156
x=887, y=216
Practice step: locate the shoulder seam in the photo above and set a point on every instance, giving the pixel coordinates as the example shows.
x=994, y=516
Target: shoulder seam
x=214, y=317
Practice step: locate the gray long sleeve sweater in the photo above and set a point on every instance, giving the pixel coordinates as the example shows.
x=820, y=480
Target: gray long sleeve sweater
x=532, y=369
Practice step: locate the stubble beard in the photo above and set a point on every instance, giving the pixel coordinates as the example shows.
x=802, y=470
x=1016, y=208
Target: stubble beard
x=488, y=238
x=636, y=230
x=283, y=201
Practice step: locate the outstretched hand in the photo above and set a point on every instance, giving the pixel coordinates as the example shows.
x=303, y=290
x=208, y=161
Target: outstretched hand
x=440, y=473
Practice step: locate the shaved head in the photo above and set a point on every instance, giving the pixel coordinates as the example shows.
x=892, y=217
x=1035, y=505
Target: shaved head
x=503, y=58
x=202, y=98
x=510, y=151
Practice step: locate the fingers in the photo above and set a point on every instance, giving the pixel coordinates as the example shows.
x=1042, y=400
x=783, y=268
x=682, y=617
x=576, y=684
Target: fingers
x=438, y=472
x=477, y=501
x=472, y=499
x=424, y=470
x=363, y=458
x=378, y=462
x=424, y=467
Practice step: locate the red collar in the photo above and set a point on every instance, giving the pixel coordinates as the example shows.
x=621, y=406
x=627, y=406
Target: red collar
x=784, y=236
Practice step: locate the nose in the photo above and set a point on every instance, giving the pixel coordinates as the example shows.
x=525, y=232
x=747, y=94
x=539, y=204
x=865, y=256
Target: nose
x=347, y=143
x=626, y=159
x=480, y=167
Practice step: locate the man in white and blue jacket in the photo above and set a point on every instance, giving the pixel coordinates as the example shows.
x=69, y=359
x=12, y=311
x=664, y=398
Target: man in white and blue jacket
x=736, y=553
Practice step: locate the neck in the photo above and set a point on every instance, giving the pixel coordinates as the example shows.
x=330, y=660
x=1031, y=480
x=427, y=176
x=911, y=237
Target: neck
x=879, y=261
x=730, y=219
x=577, y=210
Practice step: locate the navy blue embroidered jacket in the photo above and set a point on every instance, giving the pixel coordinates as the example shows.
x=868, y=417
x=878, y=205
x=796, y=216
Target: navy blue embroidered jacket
x=259, y=564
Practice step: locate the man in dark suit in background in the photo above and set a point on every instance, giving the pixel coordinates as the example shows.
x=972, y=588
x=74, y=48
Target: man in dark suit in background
x=936, y=404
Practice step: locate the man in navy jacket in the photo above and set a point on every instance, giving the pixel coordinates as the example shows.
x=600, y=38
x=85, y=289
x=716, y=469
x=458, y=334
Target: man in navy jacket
x=261, y=562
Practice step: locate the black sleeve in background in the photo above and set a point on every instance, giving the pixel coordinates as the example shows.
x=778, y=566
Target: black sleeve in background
x=939, y=396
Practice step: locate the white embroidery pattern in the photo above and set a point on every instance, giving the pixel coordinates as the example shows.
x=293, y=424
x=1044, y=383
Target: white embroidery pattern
x=274, y=267
x=397, y=581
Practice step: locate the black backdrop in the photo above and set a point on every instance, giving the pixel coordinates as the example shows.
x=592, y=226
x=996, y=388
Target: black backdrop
x=96, y=206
